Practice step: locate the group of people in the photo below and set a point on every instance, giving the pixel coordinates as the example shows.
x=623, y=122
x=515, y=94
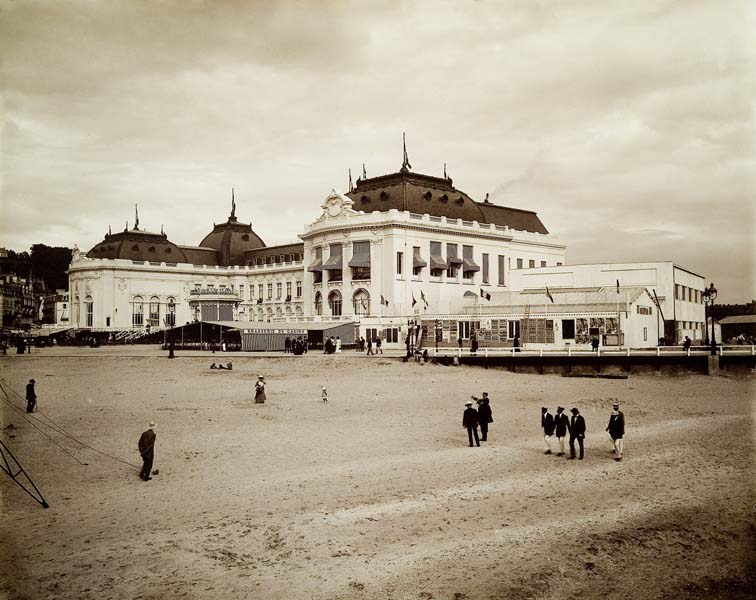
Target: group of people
x=560, y=425
x=473, y=418
x=220, y=366
x=296, y=346
x=373, y=345
x=332, y=345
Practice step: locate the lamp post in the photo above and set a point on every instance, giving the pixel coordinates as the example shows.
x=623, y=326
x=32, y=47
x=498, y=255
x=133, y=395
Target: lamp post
x=709, y=296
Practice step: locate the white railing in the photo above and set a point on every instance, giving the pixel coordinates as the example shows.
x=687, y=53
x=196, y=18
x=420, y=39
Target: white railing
x=727, y=350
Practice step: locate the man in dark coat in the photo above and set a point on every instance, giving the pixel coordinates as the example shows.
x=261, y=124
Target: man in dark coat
x=577, y=432
x=31, y=396
x=616, y=429
x=369, y=345
x=470, y=422
x=547, y=422
x=474, y=345
x=287, y=345
x=485, y=415
x=561, y=425
x=147, y=450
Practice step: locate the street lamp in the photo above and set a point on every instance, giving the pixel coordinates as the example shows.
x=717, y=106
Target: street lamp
x=709, y=296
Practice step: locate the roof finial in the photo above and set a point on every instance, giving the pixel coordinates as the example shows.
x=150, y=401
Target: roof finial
x=364, y=173
x=445, y=175
x=109, y=232
x=406, y=166
x=136, y=217
x=233, y=206
x=162, y=232
x=351, y=186
x=127, y=225
x=486, y=200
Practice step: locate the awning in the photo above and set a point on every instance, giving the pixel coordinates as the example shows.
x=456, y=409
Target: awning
x=334, y=263
x=453, y=260
x=436, y=262
x=360, y=260
x=468, y=265
x=316, y=266
x=417, y=261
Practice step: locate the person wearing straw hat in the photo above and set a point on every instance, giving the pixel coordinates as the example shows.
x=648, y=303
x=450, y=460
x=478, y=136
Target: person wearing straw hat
x=260, y=390
x=561, y=425
x=616, y=429
x=31, y=396
x=324, y=393
x=147, y=450
x=470, y=422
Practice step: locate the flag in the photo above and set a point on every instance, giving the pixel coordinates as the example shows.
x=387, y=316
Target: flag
x=384, y=302
x=548, y=295
x=485, y=294
x=618, y=286
x=351, y=187
x=422, y=297
x=413, y=300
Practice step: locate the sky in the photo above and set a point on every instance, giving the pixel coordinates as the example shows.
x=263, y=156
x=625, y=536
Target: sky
x=627, y=126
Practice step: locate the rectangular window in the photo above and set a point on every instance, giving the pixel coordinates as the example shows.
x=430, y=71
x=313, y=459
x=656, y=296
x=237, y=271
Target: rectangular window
x=391, y=335
x=317, y=276
x=568, y=329
x=645, y=334
x=260, y=291
x=677, y=292
x=399, y=262
x=438, y=264
x=531, y=264
x=90, y=313
x=559, y=264
x=241, y=291
x=519, y=263
x=299, y=289
x=288, y=291
x=485, y=268
x=513, y=329
x=334, y=264
x=360, y=263
x=502, y=264
x=270, y=291
x=452, y=261
x=469, y=266
x=279, y=291
x=543, y=263
x=463, y=329
x=417, y=261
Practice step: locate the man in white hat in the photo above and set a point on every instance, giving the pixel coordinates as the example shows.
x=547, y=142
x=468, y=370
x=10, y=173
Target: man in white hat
x=325, y=394
x=616, y=429
x=470, y=422
x=260, y=390
x=147, y=450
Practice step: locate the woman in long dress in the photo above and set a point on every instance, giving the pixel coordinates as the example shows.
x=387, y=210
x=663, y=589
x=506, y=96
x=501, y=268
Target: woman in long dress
x=260, y=390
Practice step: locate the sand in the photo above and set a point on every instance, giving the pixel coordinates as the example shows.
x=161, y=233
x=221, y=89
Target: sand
x=375, y=494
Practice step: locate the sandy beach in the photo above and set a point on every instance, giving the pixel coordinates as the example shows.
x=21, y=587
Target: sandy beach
x=375, y=494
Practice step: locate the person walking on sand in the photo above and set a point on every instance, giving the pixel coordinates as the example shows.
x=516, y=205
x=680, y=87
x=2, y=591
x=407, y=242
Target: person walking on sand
x=260, y=390
x=616, y=429
x=561, y=425
x=577, y=432
x=31, y=396
x=378, y=344
x=547, y=422
x=470, y=422
x=147, y=450
x=484, y=415
x=369, y=346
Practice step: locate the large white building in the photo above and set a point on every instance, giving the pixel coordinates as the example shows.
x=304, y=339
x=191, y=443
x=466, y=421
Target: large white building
x=392, y=252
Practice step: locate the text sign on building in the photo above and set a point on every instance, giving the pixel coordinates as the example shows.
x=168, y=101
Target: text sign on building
x=279, y=331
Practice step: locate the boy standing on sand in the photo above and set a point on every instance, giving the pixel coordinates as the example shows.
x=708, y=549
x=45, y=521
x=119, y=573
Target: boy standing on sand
x=470, y=422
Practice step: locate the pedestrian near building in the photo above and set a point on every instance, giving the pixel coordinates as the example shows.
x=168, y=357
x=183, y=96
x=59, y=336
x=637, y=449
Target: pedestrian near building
x=485, y=416
x=616, y=429
x=470, y=422
x=378, y=344
x=147, y=450
x=474, y=345
x=547, y=422
x=31, y=396
x=459, y=342
x=287, y=345
x=369, y=346
x=577, y=432
x=561, y=426
x=687, y=343
x=260, y=390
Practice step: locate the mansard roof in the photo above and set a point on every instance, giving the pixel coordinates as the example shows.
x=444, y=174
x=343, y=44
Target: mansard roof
x=437, y=196
x=139, y=245
x=231, y=240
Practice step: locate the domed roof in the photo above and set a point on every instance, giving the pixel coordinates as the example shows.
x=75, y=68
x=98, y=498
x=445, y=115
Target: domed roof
x=137, y=244
x=231, y=240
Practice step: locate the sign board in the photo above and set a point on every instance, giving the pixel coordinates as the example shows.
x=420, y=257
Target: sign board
x=279, y=331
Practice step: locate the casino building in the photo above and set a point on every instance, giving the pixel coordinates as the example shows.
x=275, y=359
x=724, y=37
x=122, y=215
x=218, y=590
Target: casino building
x=402, y=254
x=391, y=249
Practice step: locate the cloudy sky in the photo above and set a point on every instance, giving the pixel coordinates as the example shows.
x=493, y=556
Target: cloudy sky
x=628, y=126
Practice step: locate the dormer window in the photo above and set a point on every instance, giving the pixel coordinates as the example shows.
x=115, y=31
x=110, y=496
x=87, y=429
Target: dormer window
x=460, y=201
x=427, y=195
x=384, y=195
x=167, y=250
x=135, y=248
x=365, y=200
x=245, y=237
x=151, y=249
x=444, y=198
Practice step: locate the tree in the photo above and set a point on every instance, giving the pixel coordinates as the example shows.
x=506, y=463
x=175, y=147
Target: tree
x=50, y=263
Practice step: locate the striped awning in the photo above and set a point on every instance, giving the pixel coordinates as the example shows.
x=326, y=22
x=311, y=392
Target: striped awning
x=334, y=263
x=468, y=265
x=437, y=262
x=453, y=260
x=417, y=261
x=316, y=266
x=360, y=260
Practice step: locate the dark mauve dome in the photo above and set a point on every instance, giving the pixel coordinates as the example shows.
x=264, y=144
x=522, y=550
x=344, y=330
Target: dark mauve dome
x=231, y=240
x=139, y=245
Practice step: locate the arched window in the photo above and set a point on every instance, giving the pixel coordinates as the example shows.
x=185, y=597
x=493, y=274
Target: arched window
x=318, y=304
x=288, y=311
x=137, y=311
x=76, y=310
x=361, y=302
x=170, y=316
x=279, y=312
x=154, y=320
x=299, y=311
x=89, y=306
x=334, y=303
